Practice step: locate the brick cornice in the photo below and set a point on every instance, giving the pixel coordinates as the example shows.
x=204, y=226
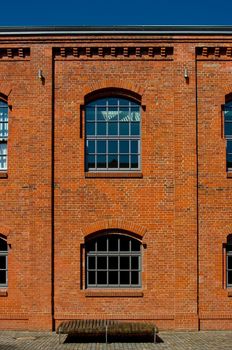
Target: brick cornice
x=214, y=53
x=15, y=53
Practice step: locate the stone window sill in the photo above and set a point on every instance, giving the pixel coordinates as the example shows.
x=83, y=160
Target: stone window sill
x=3, y=293
x=3, y=175
x=113, y=175
x=113, y=293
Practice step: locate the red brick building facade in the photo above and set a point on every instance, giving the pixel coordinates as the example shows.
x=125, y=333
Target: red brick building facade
x=141, y=232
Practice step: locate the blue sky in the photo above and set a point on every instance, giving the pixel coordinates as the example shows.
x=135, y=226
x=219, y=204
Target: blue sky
x=117, y=12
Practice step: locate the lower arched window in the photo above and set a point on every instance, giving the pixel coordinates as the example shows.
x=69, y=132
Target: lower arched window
x=229, y=261
x=3, y=262
x=113, y=261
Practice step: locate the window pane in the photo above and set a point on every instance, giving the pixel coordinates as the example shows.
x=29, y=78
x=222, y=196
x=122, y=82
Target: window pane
x=135, y=114
x=90, y=114
x=124, y=147
x=134, y=146
x=91, y=161
x=229, y=261
x=124, y=162
x=3, y=245
x=101, y=128
x=113, y=161
x=91, y=147
x=123, y=102
x=91, y=246
x=2, y=277
x=229, y=146
x=134, y=162
x=2, y=262
x=91, y=263
x=102, y=244
x=135, y=128
x=90, y=129
x=112, y=114
x=101, y=277
x=113, y=262
x=134, y=262
x=135, y=245
x=101, y=161
x=124, y=262
x=101, y=146
x=101, y=262
x=124, y=244
x=229, y=161
x=113, y=147
x=229, y=281
x=101, y=114
x=228, y=115
x=124, y=277
x=112, y=101
x=113, y=128
x=228, y=129
x=124, y=129
x=113, y=277
x=134, y=277
x=124, y=114
x=113, y=244
x=92, y=277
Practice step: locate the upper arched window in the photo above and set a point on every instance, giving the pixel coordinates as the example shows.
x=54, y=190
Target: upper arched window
x=3, y=134
x=228, y=134
x=112, y=134
x=113, y=261
x=3, y=262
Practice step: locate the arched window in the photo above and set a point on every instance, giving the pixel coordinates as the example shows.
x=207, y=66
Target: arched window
x=3, y=134
x=228, y=134
x=113, y=261
x=229, y=261
x=3, y=262
x=112, y=135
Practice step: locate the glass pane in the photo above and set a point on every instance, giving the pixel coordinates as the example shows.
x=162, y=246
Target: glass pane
x=3, y=130
x=135, y=128
x=101, y=114
x=113, y=161
x=101, y=128
x=124, y=262
x=124, y=277
x=113, y=244
x=2, y=277
x=113, y=128
x=91, y=161
x=134, y=262
x=124, y=114
x=228, y=115
x=124, y=147
x=124, y=129
x=124, y=162
x=113, y=147
x=101, y=146
x=113, y=277
x=90, y=129
x=112, y=101
x=134, y=146
x=2, y=262
x=112, y=114
x=3, y=245
x=229, y=161
x=101, y=102
x=135, y=245
x=91, y=246
x=101, y=162
x=124, y=244
x=229, y=260
x=3, y=163
x=91, y=263
x=113, y=262
x=134, y=162
x=135, y=114
x=101, y=262
x=228, y=129
x=229, y=276
x=91, y=147
x=102, y=244
x=91, y=275
x=229, y=146
x=90, y=114
x=3, y=148
x=102, y=277
x=124, y=102
x=134, y=277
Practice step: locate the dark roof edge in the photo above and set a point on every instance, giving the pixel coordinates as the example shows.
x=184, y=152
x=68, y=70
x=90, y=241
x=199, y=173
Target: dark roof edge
x=112, y=30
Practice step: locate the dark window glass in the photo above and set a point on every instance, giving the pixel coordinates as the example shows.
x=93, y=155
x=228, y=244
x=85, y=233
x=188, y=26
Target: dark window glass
x=229, y=160
x=102, y=263
x=3, y=245
x=124, y=277
x=134, y=278
x=102, y=244
x=92, y=279
x=124, y=146
x=101, y=129
x=113, y=129
x=113, y=277
x=124, y=162
x=228, y=115
x=2, y=262
x=90, y=128
x=113, y=146
x=92, y=262
x=124, y=262
x=101, y=277
x=113, y=244
x=90, y=115
x=124, y=244
x=91, y=161
x=113, y=262
x=229, y=277
x=101, y=114
x=134, y=162
x=113, y=161
x=91, y=147
x=101, y=161
x=135, y=128
x=134, y=262
x=112, y=114
x=124, y=129
x=101, y=146
x=134, y=146
x=135, y=246
x=230, y=262
x=2, y=277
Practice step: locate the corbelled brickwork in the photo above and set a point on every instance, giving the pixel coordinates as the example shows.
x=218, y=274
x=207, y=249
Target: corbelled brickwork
x=178, y=205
